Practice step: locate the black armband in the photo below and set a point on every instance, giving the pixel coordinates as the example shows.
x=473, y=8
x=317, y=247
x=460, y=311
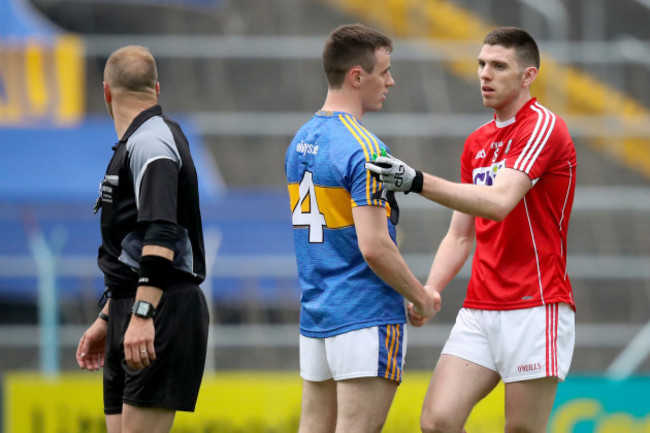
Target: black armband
x=154, y=271
x=162, y=233
x=103, y=316
x=418, y=182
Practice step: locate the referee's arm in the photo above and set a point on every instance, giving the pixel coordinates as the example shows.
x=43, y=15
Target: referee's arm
x=150, y=293
x=140, y=335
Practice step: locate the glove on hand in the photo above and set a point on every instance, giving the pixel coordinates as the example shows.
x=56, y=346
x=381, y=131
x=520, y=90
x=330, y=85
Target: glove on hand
x=395, y=174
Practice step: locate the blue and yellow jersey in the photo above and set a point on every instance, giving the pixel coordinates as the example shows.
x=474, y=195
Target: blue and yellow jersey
x=326, y=179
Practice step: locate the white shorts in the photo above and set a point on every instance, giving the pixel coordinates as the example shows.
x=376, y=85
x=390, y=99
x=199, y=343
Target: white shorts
x=523, y=344
x=378, y=351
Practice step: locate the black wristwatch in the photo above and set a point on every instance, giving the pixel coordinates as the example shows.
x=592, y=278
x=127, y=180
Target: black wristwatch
x=144, y=309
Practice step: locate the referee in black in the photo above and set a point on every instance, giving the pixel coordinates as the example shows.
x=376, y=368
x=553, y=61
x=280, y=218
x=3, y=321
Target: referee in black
x=151, y=336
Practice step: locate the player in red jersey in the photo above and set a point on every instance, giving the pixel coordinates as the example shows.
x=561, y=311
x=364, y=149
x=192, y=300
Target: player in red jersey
x=518, y=174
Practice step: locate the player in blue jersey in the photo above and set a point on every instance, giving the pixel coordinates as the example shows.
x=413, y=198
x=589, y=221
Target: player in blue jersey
x=352, y=276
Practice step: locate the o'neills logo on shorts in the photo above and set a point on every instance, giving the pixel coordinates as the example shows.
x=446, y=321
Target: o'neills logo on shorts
x=529, y=367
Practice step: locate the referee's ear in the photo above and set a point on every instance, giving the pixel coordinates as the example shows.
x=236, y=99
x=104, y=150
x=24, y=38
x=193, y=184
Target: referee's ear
x=107, y=93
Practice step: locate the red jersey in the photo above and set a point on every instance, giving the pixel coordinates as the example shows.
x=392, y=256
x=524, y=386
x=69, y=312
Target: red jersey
x=520, y=262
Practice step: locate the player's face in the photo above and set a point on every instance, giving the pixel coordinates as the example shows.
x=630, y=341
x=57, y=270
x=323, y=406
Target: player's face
x=502, y=80
x=375, y=85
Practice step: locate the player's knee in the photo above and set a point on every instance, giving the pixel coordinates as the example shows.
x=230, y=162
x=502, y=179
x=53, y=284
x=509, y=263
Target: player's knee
x=522, y=427
x=374, y=425
x=371, y=426
x=435, y=423
x=378, y=427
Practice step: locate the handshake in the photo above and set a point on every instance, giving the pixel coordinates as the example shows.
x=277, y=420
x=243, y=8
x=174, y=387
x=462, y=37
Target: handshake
x=395, y=174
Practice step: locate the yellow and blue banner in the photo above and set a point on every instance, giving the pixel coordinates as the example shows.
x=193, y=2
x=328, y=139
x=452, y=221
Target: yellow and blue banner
x=42, y=70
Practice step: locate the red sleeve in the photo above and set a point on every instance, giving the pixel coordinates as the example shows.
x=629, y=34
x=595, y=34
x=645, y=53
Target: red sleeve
x=465, y=163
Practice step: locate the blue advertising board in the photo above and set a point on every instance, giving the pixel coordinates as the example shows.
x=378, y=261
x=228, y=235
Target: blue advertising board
x=600, y=405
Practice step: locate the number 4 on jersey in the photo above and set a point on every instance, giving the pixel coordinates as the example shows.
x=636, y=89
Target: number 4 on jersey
x=306, y=213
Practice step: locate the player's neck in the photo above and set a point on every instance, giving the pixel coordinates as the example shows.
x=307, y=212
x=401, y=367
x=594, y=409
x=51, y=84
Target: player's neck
x=509, y=111
x=338, y=101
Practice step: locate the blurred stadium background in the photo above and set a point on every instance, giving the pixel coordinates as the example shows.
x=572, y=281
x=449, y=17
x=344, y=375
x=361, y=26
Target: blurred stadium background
x=242, y=76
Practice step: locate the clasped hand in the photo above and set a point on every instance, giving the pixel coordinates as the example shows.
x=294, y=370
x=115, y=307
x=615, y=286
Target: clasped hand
x=419, y=318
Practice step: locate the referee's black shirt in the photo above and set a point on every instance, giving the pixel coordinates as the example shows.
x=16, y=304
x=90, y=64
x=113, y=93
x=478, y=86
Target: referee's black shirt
x=151, y=177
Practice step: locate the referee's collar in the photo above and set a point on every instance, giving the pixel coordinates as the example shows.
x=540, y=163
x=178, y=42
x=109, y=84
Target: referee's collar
x=145, y=115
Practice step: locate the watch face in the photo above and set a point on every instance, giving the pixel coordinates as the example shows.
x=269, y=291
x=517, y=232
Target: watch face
x=142, y=309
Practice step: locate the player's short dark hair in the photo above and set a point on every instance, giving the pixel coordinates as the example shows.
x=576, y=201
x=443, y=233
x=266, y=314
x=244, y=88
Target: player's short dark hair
x=351, y=45
x=514, y=37
x=132, y=68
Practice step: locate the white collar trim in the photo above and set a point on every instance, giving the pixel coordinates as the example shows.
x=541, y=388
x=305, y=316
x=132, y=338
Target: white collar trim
x=504, y=123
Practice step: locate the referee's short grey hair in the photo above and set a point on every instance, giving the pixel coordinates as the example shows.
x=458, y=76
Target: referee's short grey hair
x=131, y=68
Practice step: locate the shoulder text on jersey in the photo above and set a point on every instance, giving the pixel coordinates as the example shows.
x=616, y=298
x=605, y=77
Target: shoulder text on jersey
x=304, y=148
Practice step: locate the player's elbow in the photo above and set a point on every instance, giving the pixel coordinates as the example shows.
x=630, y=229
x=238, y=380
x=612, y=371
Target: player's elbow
x=497, y=216
x=372, y=250
x=498, y=211
x=370, y=255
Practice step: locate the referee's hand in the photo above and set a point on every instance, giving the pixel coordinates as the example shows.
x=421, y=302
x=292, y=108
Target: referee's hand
x=139, y=352
x=92, y=346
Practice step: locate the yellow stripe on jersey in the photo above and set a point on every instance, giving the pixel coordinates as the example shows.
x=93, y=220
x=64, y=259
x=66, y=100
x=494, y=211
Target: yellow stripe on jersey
x=362, y=137
x=334, y=203
x=370, y=140
x=374, y=146
x=369, y=137
x=387, y=207
x=377, y=150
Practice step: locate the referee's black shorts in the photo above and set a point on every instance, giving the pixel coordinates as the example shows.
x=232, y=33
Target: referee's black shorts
x=172, y=381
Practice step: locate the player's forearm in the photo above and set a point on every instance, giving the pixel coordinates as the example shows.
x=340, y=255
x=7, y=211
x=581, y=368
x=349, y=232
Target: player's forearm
x=450, y=258
x=386, y=261
x=476, y=200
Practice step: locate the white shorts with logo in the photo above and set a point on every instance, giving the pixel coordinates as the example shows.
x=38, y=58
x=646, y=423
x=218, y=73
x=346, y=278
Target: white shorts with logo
x=378, y=351
x=524, y=344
